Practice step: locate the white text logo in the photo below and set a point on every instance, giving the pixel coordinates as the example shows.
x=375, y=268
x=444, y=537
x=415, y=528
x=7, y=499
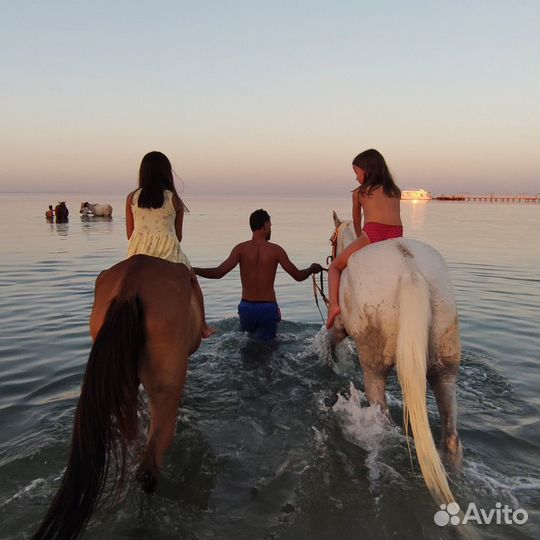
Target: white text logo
x=451, y=515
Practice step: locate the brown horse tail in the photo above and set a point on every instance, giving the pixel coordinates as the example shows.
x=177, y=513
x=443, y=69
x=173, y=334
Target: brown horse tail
x=105, y=422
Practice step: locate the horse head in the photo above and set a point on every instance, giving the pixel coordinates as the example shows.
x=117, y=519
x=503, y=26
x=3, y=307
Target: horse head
x=337, y=221
x=342, y=236
x=83, y=206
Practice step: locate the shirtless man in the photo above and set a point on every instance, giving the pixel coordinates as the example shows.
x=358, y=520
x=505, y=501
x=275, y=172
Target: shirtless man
x=258, y=259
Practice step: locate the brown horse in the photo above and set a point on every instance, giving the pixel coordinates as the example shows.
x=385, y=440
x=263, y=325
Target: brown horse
x=145, y=323
x=61, y=212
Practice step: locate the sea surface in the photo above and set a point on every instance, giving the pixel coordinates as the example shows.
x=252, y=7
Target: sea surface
x=273, y=442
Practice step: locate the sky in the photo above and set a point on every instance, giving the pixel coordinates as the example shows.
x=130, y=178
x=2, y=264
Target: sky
x=270, y=97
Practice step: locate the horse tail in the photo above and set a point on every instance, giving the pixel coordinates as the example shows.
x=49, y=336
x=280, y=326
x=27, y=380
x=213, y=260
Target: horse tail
x=105, y=422
x=411, y=363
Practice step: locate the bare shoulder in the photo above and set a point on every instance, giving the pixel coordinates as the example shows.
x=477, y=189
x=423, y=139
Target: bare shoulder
x=276, y=249
x=100, y=277
x=243, y=245
x=241, y=248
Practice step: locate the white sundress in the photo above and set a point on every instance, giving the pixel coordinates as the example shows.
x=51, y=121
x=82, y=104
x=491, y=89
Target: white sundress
x=154, y=232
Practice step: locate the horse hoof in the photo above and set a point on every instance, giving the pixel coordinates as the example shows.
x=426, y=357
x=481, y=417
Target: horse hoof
x=148, y=481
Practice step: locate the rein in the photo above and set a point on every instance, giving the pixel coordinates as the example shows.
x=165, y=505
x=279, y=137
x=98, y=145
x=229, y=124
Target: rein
x=320, y=288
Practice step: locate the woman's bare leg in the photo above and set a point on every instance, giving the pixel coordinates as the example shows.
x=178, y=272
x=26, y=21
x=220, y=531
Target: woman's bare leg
x=334, y=276
x=206, y=331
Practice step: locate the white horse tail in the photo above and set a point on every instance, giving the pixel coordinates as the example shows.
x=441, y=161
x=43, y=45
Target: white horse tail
x=411, y=363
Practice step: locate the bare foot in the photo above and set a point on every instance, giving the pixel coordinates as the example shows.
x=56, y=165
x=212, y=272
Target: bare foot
x=333, y=312
x=207, y=331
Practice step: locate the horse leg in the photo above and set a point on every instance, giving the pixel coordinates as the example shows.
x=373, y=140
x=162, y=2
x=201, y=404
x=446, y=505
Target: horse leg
x=443, y=383
x=375, y=374
x=164, y=404
x=164, y=395
x=375, y=385
x=172, y=334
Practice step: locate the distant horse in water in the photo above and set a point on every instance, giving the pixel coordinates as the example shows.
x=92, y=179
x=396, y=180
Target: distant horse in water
x=61, y=212
x=145, y=323
x=101, y=210
x=397, y=303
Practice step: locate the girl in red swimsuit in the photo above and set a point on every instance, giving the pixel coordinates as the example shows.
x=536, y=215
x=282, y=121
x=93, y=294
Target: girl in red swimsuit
x=378, y=198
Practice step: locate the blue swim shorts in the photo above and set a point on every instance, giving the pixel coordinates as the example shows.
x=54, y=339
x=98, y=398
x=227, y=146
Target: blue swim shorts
x=259, y=318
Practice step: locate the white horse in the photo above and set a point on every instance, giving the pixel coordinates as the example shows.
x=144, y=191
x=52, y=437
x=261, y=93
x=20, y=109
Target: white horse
x=398, y=304
x=96, y=209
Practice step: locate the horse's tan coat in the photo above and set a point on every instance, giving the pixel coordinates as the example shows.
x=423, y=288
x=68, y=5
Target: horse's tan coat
x=173, y=329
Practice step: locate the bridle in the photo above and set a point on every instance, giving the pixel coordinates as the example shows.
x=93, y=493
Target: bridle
x=334, y=241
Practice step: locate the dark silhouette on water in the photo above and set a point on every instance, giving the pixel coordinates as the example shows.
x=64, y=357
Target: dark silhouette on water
x=61, y=212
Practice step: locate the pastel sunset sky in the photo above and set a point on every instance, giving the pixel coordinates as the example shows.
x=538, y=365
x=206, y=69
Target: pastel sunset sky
x=249, y=97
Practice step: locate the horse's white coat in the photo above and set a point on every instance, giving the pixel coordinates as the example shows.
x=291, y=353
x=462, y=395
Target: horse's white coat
x=369, y=288
x=397, y=302
x=97, y=209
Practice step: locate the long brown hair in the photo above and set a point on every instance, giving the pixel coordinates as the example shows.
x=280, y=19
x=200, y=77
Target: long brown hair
x=376, y=174
x=155, y=176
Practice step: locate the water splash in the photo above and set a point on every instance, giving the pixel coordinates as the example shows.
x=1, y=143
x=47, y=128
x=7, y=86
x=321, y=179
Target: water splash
x=369, y=428
x=341, y=357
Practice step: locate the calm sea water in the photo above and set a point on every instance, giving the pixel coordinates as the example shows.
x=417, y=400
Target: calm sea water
x=263, y=449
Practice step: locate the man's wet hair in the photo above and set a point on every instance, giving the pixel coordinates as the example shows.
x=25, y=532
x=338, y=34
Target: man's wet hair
x=258, y=219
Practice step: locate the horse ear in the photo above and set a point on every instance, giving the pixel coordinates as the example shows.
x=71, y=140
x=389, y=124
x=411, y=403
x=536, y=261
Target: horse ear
x=337, y=221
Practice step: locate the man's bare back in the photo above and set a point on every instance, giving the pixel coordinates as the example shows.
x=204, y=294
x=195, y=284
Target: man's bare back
x=258, y=259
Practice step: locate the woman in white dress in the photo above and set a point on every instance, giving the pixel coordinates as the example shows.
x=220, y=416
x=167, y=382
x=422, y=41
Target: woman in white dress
x=154, y=218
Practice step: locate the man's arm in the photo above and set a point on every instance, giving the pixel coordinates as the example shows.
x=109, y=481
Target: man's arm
x=290, y=268
x=224, y=268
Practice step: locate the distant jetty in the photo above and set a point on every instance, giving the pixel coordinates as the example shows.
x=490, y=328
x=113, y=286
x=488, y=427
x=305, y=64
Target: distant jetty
x=490, y=198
